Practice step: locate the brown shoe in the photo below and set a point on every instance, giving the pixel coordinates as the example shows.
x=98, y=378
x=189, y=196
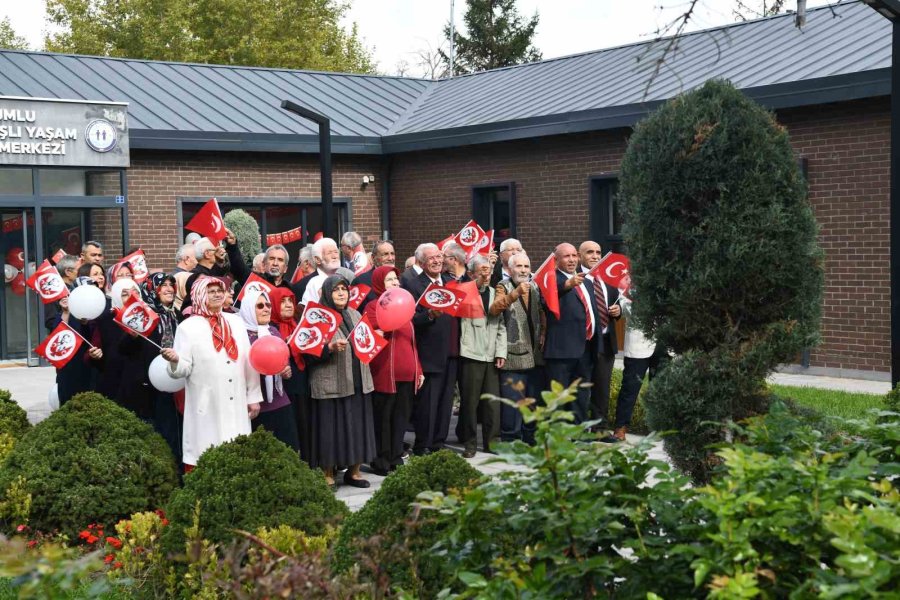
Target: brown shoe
x=619, y=433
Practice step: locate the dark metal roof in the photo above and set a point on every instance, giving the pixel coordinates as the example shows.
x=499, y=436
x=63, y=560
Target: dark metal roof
x=842, y=53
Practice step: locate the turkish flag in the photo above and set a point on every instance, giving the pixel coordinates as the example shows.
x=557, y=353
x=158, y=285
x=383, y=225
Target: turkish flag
x=470, y=238
x=138, y=263
x=295, y=234
x=471, y=307
x=366, y=342
x=358, y=293
x=58, y=256
x=48, y=283
x=316, y=328
x=254, y=282
x=614, y=269
x=270, y=239
x=318, y=237
x=442, y=299
x=135, y=315
x=298, y=274
x=60, y=346
x=209, y=222
x=545, y=278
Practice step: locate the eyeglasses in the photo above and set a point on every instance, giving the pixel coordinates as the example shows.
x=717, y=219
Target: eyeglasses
x=263, y=305
x=217, y=291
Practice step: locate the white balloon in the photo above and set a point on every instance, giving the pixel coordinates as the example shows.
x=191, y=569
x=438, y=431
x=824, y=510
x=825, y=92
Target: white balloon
x=87, y=302
x=160, y=378
x=53, y=397
x=9, y=272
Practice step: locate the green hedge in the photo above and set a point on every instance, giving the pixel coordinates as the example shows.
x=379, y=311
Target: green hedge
x=250, y=482
x=90, y=461
x=13, y=418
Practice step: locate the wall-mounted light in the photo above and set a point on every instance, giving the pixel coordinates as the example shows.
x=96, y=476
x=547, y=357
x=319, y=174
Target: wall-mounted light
x=367, y=179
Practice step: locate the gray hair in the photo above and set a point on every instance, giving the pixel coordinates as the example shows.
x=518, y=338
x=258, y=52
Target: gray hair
x=455, y=250
x=287, y=255
x=381, y=243
x=65, y=263
x=319, y=246
x=306, y=254
x=518, y=257
x=201, y=246
x=258, y=261
x=476, y=261
x=94, y=243
x=504, y=245
x=420, y=251
x=183, y=252
x=352, y=239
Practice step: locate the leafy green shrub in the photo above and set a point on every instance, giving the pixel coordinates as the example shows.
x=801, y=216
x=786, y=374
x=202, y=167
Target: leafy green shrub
x=295, y=542
x=386, y=513
x=90, y=461
x=246, y=230
x=250, y=482
x=892, y=400
x=13, y=418
x=724, y=259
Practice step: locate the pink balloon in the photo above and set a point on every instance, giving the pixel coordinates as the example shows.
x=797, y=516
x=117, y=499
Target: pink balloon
x=395, y=309
x=269, y=355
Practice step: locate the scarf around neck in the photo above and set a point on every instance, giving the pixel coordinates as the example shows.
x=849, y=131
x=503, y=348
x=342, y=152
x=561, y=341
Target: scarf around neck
x=221, y=330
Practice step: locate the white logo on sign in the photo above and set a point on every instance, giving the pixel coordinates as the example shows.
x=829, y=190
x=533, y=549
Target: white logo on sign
x=307, y=337
x=60, y=346
x=468, y=236
x=49, y=284
x=365, y=341
x=316, y=316
x=136, y=318
x=440, y=298
x=101, y=135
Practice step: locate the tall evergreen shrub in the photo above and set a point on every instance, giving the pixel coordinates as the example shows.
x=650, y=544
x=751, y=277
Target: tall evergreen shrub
x=725, y=261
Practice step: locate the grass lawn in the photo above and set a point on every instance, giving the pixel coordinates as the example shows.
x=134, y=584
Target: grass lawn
x=848, y=405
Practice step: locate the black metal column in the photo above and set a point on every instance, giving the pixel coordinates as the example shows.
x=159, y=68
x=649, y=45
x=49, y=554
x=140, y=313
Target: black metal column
x=328, y=225
x=895, y=204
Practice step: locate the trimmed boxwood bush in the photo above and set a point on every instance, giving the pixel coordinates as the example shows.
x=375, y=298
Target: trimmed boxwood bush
x=386, y=513
x=13, y=418
x=90, y=461
x=250, y=482
x=246, y=231
x=724, y=257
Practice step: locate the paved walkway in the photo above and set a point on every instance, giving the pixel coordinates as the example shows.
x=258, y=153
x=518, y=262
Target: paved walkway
x=30, y=386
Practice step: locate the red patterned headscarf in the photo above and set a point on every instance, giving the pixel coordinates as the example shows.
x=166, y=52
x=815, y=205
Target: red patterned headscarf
x=221, y=330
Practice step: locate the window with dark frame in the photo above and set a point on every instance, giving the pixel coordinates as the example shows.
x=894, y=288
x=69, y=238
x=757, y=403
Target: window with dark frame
x=606, y=215
x=494, y=207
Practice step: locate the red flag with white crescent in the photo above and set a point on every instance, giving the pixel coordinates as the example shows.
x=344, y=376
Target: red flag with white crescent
x=138, y=263
x=366, y=342
x=442, y=299
x=614, y=269
x=545, y=279
x=58, y=256
x=48, y=283
x=358, y=293
x=208, y=222
x=60, y=346
x=254, y=283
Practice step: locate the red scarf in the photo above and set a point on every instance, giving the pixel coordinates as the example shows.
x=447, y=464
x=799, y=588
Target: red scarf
x=221, y=330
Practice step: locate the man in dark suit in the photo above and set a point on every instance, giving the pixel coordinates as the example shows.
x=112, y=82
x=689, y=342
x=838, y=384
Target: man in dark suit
x=382, y=254
x=437, y=343
x=607, y=311
x=569, y=346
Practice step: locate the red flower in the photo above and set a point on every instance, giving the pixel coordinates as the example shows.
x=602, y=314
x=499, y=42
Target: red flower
x=85, y=534
x=21, y=528
x=109, y=558
x=165, y=522
x=115, y=543
x=117, y=565
x=92, y=539
x=161, y=513
x=32, y=544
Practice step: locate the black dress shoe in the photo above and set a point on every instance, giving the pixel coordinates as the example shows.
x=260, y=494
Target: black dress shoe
x=469, y=453
x=357, y=483
x=381, y=472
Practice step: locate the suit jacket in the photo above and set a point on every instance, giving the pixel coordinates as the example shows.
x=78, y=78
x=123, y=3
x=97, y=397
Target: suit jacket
x=434, y=337
x=566, y=336
x=407, y=277
x=497, y=274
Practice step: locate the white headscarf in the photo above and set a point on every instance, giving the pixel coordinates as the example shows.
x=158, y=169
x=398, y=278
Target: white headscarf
x=115, y=294
x=248, y=314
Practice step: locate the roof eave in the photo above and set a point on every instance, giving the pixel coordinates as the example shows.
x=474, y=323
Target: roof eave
x=808, y=92
x=147, y=139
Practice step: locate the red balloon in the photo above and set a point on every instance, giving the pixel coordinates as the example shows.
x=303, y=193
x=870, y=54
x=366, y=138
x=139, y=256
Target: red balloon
x=16, y=258
x=269, y=355
x=18, y=284
x=395, y=309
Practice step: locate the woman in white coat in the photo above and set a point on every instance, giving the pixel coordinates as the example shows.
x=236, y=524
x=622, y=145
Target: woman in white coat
x=212, y=351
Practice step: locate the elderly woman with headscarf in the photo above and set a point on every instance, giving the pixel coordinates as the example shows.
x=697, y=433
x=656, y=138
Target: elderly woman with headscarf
x=212, y=352
x=397, y=374
x=339, y=420
x=122, y=376
x=275, y=413
x=116, y=272
x=284, y=305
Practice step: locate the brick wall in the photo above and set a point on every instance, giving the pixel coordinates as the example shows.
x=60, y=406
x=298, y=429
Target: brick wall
x=156, y=179
x=847, y=148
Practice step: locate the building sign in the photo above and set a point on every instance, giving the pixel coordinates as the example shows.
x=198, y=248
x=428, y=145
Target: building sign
x=62, y=133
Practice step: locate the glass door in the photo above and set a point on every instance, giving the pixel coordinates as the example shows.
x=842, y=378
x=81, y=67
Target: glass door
x=19, y=329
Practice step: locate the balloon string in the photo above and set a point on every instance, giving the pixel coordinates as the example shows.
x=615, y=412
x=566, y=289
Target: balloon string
x=78, y=334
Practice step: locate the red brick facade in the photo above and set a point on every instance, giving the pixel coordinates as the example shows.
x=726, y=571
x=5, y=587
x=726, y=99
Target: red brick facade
x=846, y=147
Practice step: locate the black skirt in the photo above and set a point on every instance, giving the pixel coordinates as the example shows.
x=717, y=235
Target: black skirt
x=337, y=432
x=280, y=422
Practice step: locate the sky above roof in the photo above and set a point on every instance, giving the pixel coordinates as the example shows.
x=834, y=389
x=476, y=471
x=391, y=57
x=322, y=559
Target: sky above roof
x=397, y=29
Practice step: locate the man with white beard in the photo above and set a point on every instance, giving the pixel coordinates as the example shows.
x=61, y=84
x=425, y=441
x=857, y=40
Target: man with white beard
x=328, y=257
x=522, y=376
